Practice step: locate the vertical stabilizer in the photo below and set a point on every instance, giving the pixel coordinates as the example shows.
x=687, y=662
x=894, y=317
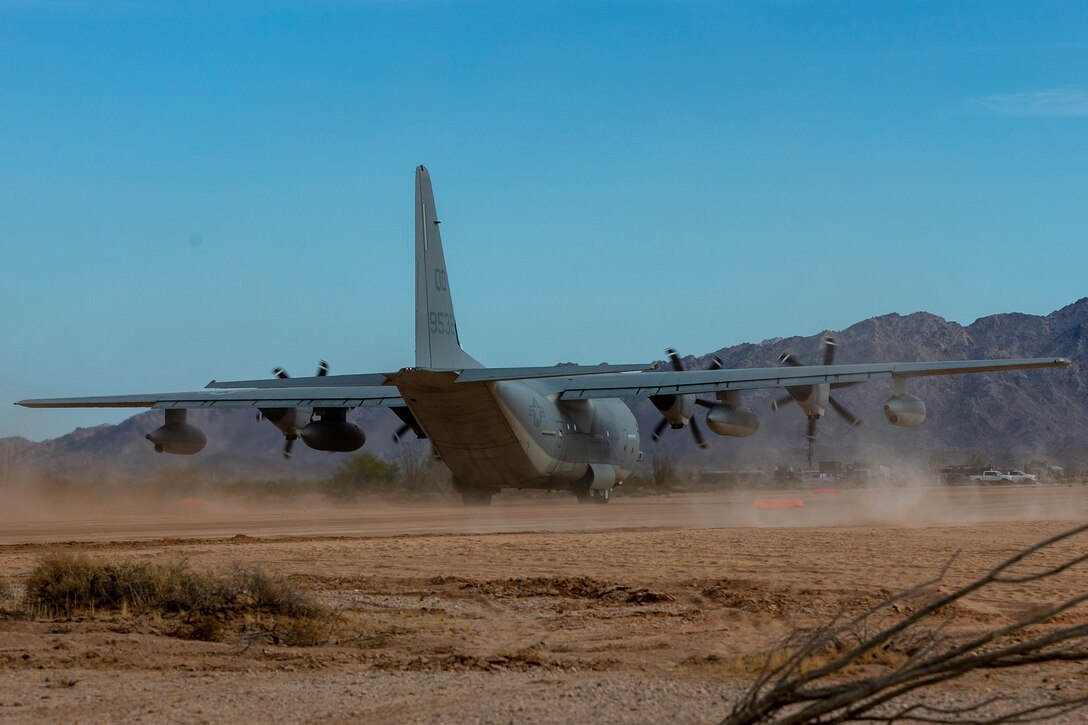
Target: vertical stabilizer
x=437, y=344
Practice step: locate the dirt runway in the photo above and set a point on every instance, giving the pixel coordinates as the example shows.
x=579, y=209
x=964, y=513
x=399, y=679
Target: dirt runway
x=117, y=519
x=537, y=610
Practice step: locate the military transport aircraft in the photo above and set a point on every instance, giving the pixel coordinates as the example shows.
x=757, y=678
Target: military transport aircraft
x=561, y=427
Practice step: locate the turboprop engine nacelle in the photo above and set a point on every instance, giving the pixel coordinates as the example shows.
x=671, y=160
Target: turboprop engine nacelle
x=729, y=420
x=676, y=409
x=177, y=436
x=333, y=433
x=905, y=410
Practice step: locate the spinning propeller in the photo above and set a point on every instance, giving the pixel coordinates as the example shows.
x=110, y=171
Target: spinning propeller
x=322, y=371
x=409, y=422
x=665, y=403
x=812, y=397
x=398, y=434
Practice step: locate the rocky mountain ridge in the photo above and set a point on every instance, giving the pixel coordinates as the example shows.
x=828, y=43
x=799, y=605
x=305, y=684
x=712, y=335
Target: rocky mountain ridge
x=1005, y=417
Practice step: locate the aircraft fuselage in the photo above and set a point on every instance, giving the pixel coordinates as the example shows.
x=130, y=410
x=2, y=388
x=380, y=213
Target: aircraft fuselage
x=520, y=434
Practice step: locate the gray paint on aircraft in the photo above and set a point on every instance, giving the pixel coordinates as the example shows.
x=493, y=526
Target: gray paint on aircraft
x=438, y=345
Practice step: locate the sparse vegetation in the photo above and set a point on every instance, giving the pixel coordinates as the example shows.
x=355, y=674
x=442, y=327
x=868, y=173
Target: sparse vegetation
x=855, y=668
x=420, y=472
x=363, y=473
x=5, y=595
x=664, y=470
x=202, y=606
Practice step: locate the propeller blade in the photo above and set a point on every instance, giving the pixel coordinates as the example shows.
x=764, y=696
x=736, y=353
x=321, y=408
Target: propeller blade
x=674, y=359
x=846, y=414
x=322, y=368
x=715, y=364
x=659, y=428
x=280, y=373
x=663, y=402
x=400, y=432
x=781, y=401
x=705, y=403
x=697, y=434
x=811, y=433
x=287, y=445
x=829, y=350
x=788, y=359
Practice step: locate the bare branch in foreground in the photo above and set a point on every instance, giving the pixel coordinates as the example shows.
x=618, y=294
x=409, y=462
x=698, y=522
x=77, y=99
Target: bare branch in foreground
x=811, y=676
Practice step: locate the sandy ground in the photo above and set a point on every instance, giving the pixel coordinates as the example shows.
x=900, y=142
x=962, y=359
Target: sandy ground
x=531, y=610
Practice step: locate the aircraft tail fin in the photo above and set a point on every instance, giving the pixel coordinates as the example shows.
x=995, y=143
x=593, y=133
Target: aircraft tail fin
x=437, y=343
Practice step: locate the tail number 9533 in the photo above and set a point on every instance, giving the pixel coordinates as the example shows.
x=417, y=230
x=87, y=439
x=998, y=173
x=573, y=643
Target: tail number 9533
x=441, y=323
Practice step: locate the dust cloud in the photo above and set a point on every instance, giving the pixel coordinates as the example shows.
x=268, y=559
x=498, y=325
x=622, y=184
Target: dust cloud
x=38, y=508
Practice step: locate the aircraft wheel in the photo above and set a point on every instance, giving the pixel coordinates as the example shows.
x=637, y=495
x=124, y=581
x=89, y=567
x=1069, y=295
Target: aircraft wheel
x=476, y=497
x=584, y=495
x=602, y=496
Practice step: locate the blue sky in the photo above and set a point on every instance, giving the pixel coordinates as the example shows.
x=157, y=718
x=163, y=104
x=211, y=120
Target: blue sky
x=197, y=190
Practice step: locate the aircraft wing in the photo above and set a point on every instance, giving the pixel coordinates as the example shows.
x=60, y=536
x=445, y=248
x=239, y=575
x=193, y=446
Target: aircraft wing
x=645, y=384
x=315, y=397
x=464, y=376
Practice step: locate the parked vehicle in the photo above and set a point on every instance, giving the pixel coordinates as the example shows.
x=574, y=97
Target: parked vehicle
x=1021, y=477
x=990, y=476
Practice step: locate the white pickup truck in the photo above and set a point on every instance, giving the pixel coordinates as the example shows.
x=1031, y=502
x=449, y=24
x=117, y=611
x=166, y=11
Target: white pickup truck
x=990, y=477
x=1021, y=477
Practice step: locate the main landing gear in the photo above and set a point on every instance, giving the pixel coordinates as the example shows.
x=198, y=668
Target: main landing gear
x=473, y=495
x=589, y=495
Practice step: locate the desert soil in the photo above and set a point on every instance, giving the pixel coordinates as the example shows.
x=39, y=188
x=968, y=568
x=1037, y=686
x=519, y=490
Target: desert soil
x=538, y=610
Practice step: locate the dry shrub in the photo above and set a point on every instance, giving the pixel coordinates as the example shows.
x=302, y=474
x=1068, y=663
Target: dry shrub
x=306, y=631
x=6, y=594
x=256, y=589
x=879, y=668
x=64, y=585
x=204, y=627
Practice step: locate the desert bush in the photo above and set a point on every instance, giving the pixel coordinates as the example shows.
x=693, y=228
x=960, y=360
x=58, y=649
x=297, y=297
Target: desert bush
x=819, y=675
x=254, y=588
x=205, y=627
x=300, y=631
x=421, y=473
x=6, y=594
x=65, y=585
x=363, y=473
